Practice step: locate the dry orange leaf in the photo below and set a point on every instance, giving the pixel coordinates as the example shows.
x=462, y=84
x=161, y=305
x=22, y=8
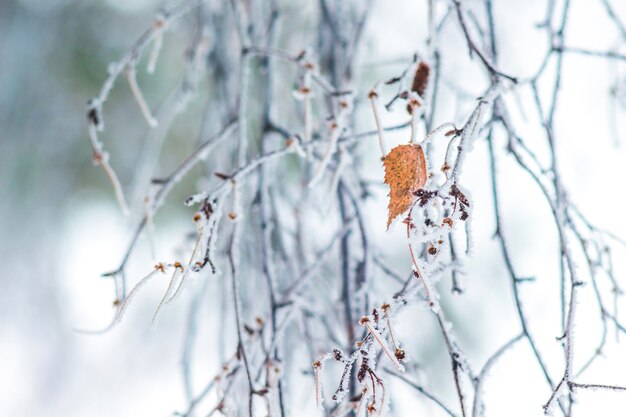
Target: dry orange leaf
x=405, y=173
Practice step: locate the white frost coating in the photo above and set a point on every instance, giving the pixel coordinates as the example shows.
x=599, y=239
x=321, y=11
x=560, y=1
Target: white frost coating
x=448, y=329
x=372, y=359
x=373, y=96
x=336, y=127
x=188, y=275
x=433, y=212
x=556, y=396
x=160, y=25
x=470, y=131
x=385, y=347
x=319, y=389
x=407, y=357
x=154, y=55
x=469, y=237
x=168, y=294
x=114, y=67
x=223, y=189
x=428, y=235
x=571, y=330
x=415, y=104
x=230, y=406
x=189, y=270
x=141, y=101
x=432, y=294
x=344, y=160
x=342, y=411
x=448, y=126
x=407, y=78
x=385, y=405
x=150, y=229
x=330, y=151
x=199, y=197
x=362, y=401
x=101, y=157
x=122, y=310
x=344, y=384
x=212, y=231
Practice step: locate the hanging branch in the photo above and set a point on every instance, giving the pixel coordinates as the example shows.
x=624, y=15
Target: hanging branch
x=302, y=259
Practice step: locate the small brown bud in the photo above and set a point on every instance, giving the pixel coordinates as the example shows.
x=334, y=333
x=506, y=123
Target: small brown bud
x=432, y=250
x=159, y=22
x=400, y=354
x=232, y=215
x=221, y=175
x=197, y=217
x=363, y=320
x=97, y=158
